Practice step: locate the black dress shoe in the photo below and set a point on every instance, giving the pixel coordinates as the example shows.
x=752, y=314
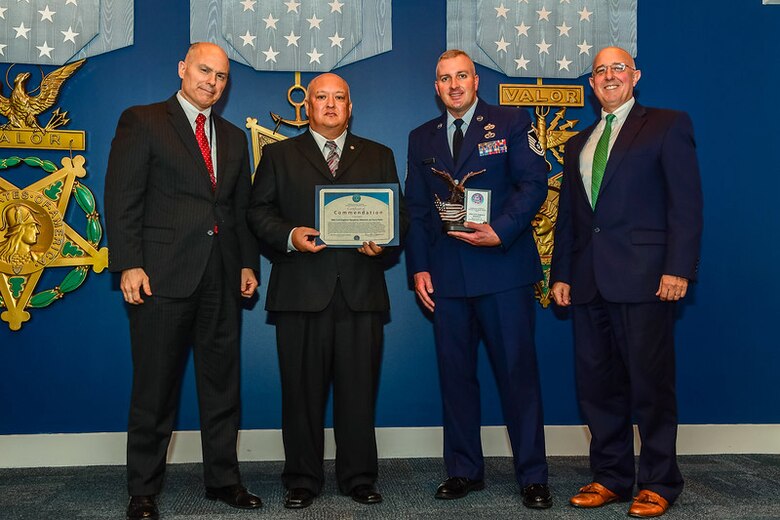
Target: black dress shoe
x=142, y=507
x=235, y=496
x=537, y=496
x=298, y=498
x=365, y=494
x=458, y=487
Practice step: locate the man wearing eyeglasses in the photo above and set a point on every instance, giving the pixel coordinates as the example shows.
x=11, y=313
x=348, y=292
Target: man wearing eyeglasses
x=627, y=246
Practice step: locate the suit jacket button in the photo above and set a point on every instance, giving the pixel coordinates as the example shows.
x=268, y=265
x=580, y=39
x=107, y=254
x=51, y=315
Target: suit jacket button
x=210, y=232
x=596, y=230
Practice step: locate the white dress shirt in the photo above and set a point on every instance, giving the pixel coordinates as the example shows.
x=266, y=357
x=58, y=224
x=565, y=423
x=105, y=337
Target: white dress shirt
x=586, y=155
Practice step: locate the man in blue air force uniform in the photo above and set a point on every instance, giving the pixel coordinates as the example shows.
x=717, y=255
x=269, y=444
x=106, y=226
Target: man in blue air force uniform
x=480, y=283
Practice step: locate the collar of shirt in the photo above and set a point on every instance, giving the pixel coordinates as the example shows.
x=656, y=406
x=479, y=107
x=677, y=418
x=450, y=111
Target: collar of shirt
x=321, y=140
x=191, y=111
x=466, y=119
x=620, y=113
x=586, y=155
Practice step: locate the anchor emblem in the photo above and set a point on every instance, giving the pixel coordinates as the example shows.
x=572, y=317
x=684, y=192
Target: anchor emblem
x=298, y=122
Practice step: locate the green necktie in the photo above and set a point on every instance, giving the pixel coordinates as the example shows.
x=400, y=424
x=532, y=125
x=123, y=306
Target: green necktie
x=600, y=160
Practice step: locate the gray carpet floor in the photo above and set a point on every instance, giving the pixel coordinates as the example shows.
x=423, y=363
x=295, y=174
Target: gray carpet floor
x=717, y=487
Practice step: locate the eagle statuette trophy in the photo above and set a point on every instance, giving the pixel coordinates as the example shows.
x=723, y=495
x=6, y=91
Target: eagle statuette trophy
x=453, y=211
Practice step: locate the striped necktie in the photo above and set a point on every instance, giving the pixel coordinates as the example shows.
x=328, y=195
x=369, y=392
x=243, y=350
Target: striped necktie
x=600, y=160
x=333, y=157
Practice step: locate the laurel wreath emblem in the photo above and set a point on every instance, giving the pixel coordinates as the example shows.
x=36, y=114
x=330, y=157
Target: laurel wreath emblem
x=93, y=232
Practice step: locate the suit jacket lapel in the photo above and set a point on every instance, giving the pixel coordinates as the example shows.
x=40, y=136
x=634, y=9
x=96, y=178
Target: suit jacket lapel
x=441, y=147
x=179, y=121
x=222, y=146
x=309, y=149
x=573, y=150
x=352, y=148
x=634, y=122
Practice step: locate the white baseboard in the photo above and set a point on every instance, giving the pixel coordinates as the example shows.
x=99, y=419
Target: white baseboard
x=91, y=449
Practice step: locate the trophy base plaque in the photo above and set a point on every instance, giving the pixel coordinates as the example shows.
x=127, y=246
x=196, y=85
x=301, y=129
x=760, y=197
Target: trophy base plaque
x=456, y=226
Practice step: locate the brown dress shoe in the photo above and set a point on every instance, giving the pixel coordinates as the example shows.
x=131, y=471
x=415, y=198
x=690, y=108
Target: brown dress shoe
x=648, y=504
x=593, y=495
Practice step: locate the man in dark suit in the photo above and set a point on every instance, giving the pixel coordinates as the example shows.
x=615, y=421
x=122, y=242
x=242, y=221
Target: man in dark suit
x=177, y=188
x=480, y=283
x=627, y=245
x=328, y=303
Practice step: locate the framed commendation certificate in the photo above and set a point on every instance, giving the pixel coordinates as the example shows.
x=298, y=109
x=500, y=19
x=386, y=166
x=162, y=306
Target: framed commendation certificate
x=348, y=215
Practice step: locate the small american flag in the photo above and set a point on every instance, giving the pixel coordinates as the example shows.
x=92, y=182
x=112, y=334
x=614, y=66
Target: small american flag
x=449, y=211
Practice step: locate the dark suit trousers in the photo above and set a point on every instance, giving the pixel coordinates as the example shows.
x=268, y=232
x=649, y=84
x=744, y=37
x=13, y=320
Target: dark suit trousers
x=161, y=331
x=315, y=348
x=505, y=321
x=624, y=355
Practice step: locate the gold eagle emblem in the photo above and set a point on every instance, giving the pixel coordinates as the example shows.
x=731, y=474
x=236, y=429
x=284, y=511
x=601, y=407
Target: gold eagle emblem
x=21, y=108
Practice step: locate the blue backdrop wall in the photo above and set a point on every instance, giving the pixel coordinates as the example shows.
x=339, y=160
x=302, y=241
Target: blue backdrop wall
x=68, y=369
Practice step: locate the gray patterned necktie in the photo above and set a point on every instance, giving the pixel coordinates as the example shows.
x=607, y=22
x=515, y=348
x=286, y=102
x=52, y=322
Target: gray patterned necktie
x=333, y=157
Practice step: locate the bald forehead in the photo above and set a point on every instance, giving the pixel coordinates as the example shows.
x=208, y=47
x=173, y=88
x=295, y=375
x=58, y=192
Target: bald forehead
x=209, y=50
x=611, y=55
x=330, y=82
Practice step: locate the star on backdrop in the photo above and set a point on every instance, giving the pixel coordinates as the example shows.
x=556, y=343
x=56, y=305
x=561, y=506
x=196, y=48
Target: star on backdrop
x=30, y=29
x=47, y=14
x=294, y=35
x=540, y=38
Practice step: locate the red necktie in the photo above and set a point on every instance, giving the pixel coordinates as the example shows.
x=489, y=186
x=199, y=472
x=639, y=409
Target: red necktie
x=205, y=149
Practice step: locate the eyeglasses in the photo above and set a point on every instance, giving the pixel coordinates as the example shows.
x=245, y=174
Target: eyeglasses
x=615, y=67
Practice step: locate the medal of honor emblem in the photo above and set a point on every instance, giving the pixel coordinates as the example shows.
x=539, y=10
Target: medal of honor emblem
x=31, y=232
x=34, y=236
